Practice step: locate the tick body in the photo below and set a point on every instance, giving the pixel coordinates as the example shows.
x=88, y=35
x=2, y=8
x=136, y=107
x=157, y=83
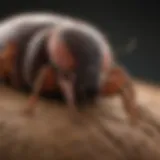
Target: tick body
x=49, y=52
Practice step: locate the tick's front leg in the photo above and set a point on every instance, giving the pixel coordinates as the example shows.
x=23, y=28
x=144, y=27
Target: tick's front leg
x=66, y=85
x=37, y=87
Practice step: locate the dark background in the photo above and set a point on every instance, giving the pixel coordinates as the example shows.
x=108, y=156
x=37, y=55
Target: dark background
x=122, y=20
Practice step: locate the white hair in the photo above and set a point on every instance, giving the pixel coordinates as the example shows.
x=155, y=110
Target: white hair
x=16, y=25
x=33, y=48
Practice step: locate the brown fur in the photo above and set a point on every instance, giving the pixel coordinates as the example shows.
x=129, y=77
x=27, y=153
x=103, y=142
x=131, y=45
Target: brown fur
x=50, y=134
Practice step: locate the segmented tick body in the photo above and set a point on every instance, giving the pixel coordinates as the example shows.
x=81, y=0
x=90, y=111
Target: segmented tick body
x=45, y=52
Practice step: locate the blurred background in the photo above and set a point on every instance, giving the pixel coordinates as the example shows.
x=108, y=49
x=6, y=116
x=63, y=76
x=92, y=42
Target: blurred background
x=132, y=27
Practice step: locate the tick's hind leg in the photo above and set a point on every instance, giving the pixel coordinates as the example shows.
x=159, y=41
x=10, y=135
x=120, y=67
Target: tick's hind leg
x=119, y=82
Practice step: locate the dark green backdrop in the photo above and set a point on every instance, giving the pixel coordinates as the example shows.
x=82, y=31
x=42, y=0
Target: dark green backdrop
x=122, y=21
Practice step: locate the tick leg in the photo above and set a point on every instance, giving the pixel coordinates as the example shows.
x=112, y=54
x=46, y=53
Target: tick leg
x=66, y=85
x=127, y=94
x=119, y=82
x=38, y=84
